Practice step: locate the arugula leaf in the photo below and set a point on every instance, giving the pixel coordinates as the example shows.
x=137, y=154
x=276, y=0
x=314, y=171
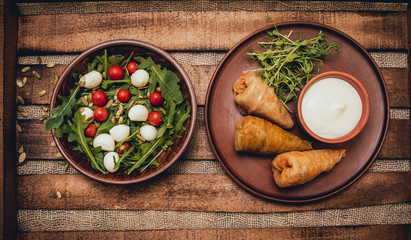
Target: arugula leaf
x=65, y=109
x=104, y=127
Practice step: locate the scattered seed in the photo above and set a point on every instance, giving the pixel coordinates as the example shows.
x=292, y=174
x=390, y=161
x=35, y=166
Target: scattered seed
x=59, y=155
x=24, y=81
x=20, y=109
x=20, y=99
x=56, y=78
x=37, y=75
x=18, y=127
x=84, y=100
x=140, y=102
x=62, y=162
x=25, y=69
x=19, y=83
x=38, y=60
x=42, y=118
x=44, y=108
x=141, y=138
x=58, y=194
x=104, y=75
x=53, y=144
x=113, y=120
x=114, y=104
x=109, y=103
x=47, y=114
x=120, y=120
x=162, y=110
x=24, y=114
x=90, y=98
x=42, y=93
x=120, y=110
x=142, y=96
x=21, y=149
x=66, y=167
x=50, y=65
x=97, y=124
x=131, y=104
x=22, y=157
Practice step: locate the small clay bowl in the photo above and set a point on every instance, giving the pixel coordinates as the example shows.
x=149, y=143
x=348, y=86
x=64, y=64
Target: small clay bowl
x=356, y=84
x=125, y=47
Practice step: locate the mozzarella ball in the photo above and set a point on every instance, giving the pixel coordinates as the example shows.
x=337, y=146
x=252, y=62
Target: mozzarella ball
x=110, y=161
x=105, y=141
x=138, y=113
x=148, y=132
x=87, y=113
x=120, y=132
x=140, y=78
x=91, y=79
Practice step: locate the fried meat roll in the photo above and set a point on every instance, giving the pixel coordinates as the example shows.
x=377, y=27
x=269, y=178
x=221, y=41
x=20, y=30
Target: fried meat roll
x=257, y=135
x=253, y=96
x=295, y=168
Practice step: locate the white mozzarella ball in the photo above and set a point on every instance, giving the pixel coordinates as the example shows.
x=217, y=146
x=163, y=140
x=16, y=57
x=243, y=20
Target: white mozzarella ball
x=105, y=141
x=140, y=78
x=87, y=113
x=138, y=113
x=91, y=79
x=120, y=132
x=148, y=132
x=110, y=161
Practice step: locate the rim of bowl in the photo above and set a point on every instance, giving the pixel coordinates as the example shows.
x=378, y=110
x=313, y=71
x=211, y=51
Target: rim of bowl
x=153, y=48
x=356, y=84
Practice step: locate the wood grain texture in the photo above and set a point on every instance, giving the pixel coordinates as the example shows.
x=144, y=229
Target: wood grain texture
x=396, y=80
x=213, y=30
x=37, y=141
x=385, y=232
x=195, y=192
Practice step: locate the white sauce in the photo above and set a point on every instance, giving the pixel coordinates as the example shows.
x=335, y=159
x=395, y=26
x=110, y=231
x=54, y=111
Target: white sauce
x=331, y=108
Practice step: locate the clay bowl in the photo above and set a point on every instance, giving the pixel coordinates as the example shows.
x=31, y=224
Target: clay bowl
x=79, y=65
x=356, y=84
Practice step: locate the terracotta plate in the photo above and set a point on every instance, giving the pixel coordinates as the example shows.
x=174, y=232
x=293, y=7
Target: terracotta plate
x=253, y=172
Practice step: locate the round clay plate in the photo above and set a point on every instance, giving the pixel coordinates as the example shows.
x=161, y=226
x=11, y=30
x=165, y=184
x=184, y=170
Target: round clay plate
x=253, y=172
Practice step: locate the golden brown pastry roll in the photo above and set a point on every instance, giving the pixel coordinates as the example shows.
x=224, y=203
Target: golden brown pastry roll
x=257, y=135
x=295, y=168
x=253, y=96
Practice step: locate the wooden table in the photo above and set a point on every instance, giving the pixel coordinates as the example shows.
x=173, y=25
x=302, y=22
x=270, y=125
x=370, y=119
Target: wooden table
x=195, y=199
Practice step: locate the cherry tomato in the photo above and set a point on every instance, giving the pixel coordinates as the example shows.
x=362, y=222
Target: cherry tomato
x=156, y=98
x=116, y=72
x=99, y=98
x=100, y=114
x=90, y=130
x=123, y=146
x=123, y=95
x=155, y=118
x=132, y=67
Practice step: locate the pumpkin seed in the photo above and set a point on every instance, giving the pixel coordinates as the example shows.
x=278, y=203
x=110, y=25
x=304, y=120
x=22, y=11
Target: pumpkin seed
x=120, y=120
x=114, y=104
x=19, y=109
x=59, y=155
x=104, y=75
x=24, y=114
x=131, y=104
x=84, y=100
x=56, y=78
x=50, y=65
x=42, y=118
x=113, y=120
x=37, y=75
x=120, y=110
x=90, y=98
x=53, y=144
x=22, y=157
x=20, y=99
x=142, y=96
x=18, y=127
x=162, y=110
x=19, y=83
x=21, y=149
x=66, y=167
x=38, y=60
x=42, y=93
x=97, y=124
x=58, y=194
x=90, y=104
x=44, y=108
x=109, y=103
x=24, y=81
x=141, y=138
x=141, y=102
x=25, y=69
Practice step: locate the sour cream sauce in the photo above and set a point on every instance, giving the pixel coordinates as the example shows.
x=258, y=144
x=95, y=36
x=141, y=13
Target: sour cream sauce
x=331, y=108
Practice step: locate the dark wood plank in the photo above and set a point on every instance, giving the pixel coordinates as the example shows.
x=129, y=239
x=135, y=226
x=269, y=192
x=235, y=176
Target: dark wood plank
x=37, y=141
x=383, y=232
x=195, y=192
x=8, y=46
x=208, y=30
x=396, y=80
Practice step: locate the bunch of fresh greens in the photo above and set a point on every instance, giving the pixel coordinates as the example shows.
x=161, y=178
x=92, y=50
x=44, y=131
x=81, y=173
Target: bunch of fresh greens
x=69, y=123
x=287, y=65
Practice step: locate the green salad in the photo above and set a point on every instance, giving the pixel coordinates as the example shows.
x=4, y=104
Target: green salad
x=123, y=114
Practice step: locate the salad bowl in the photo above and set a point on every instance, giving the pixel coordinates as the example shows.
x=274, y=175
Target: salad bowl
x=165, y=159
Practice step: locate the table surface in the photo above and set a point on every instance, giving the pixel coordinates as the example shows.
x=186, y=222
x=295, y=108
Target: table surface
x=196, y=198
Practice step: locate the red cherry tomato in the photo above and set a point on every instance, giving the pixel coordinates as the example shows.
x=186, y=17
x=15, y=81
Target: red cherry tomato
x=156, y=98
x=123, y=95
x=123, y=146
x=116, y=72
x=99, y=98
x=90, y=130
x=132, y=67
x=100, y=114
x=155, y=118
